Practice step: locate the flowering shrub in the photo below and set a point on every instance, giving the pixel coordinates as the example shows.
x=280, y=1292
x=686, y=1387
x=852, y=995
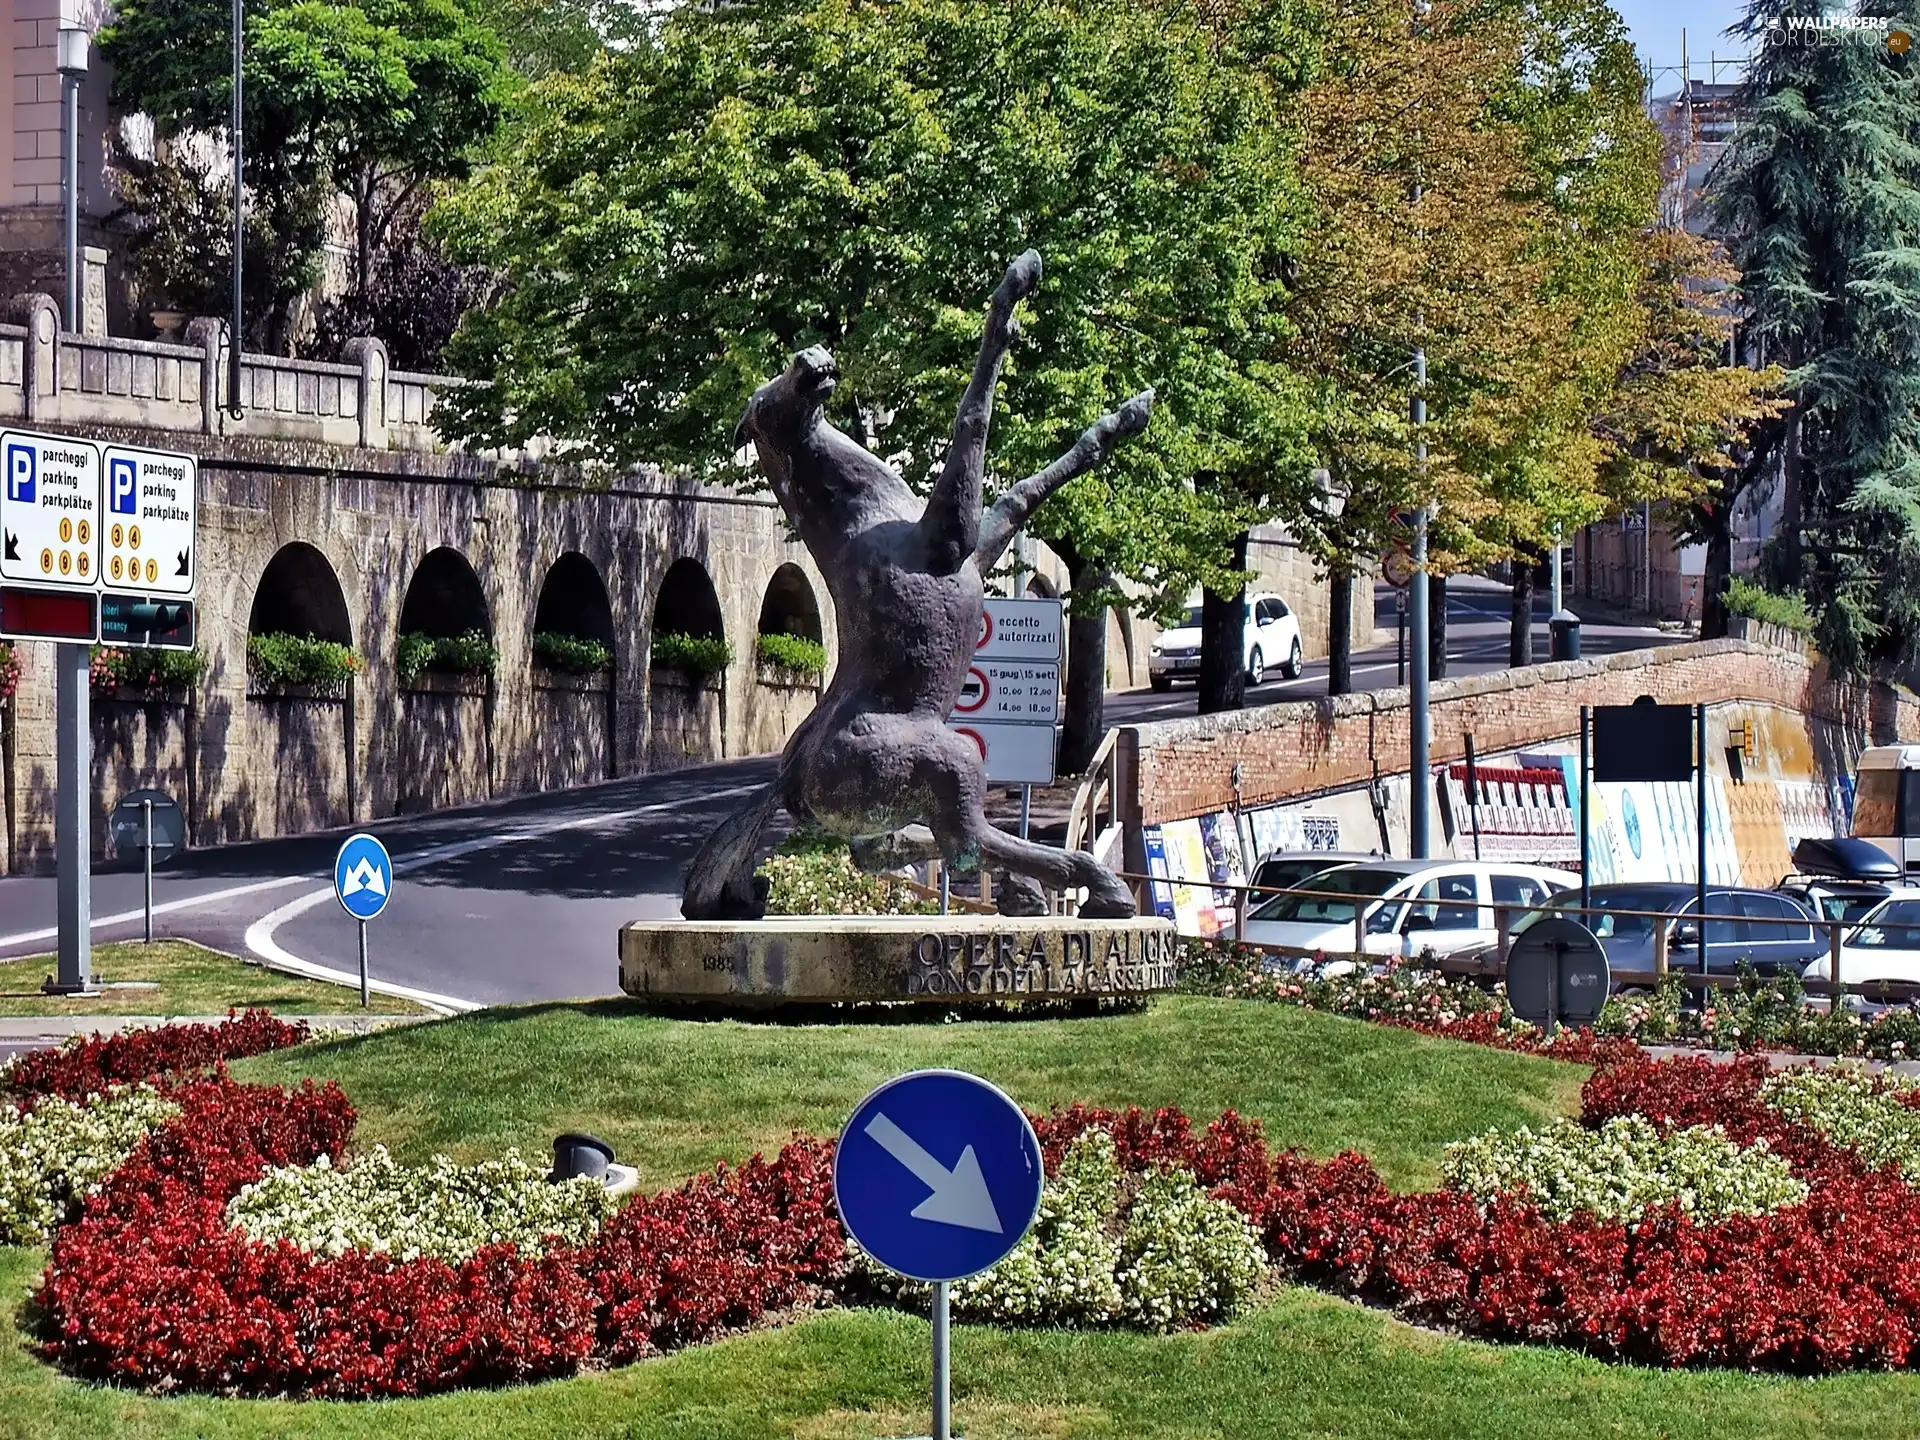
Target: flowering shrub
x=1623, y=1169
x=279, y=659
x=1870, y=1115
x=9, y=671
x=571, y=654
x=52, y=1154
x=445, y=1210
x=1402, y=994
x=111, y=669
x=812, y=876
x=87, y=1065
x=1186, y=1258
x=1764, y=1012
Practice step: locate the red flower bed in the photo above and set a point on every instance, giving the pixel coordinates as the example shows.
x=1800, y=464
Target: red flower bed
x=151, y=1288
x=89, y=1066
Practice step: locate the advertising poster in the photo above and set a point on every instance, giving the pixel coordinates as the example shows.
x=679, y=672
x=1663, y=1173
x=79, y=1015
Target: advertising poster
x=1192, y=881
x=1160, y=890
x=1226, y=866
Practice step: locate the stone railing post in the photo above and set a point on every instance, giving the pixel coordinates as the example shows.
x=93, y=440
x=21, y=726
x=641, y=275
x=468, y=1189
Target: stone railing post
x=93, y=290
x=40, y=369
x=208, y=331
x=370, y=354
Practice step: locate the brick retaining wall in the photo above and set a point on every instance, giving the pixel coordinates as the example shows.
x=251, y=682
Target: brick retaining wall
x=1176, y=768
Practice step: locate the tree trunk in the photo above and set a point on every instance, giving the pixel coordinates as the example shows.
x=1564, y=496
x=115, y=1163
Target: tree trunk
x=1223, y=642
x=1436, y=626
x=1340, y=631
x=1083, y=725
x=1520, y=631
x=1717, y=570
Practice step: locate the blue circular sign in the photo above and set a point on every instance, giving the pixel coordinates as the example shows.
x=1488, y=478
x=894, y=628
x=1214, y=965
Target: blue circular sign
x=363, y=877
x=1630, y=819
x=938, y=1175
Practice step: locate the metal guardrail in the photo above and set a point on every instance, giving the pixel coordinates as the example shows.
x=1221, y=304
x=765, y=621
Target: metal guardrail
x=1494, y=967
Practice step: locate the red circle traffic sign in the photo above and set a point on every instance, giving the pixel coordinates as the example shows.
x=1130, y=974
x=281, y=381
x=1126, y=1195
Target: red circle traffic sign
x=1396, y=567
x=960, y=704
x=978, y=739
x=986, y=631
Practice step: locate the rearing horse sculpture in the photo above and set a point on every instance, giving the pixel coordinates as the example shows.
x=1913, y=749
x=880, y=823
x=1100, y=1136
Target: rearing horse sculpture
x=875, y=761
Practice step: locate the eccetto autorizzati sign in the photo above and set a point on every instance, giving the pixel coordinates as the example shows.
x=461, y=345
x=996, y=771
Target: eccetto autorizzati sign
x=896, y=957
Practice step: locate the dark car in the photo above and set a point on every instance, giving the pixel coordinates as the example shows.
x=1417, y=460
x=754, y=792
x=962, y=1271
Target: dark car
x=1843, y=878
x=1773, y=933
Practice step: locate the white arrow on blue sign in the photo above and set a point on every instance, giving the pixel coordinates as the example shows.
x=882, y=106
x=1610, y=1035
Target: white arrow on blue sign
x=938, y=1175
x=363, y=877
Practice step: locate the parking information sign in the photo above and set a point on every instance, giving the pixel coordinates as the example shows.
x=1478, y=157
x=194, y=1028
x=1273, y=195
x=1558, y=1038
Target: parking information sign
x=49, y=510
x=151, y=498
x=1010, y=700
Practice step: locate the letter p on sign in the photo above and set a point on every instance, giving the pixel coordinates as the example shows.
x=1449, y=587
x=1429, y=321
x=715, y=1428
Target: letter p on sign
x=123, y=489
x=20, y=473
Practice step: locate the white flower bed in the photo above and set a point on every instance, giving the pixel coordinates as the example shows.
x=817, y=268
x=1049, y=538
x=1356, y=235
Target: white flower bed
x=1179, y=1256
x=1623, y=1169
x=442, y=1209
x=1851, y=1108
x=51, y=1155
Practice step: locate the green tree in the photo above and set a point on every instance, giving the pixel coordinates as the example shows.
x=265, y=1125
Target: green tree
x=675, y=221
x=374, y=99
x=1820, y=199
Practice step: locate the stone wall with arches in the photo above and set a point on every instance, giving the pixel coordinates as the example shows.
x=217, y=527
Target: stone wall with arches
x=358, y=547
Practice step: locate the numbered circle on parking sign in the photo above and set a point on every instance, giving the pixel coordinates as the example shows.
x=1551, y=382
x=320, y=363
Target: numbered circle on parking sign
x=363, y=877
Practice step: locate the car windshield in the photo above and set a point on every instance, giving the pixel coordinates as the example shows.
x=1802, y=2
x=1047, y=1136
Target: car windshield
x=1894, y=926
x=1285, y=874
x=1323, y=906
x=1606, y=926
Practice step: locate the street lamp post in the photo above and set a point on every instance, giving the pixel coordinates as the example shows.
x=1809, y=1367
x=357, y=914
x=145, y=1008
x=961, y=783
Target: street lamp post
x=70, y=55
x=239, y=213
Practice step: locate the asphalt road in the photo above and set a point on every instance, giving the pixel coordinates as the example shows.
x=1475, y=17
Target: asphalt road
x=522, y=900
x=1477, y=629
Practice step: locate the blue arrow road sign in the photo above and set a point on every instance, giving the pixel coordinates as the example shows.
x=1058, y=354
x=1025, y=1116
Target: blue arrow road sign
x=363, y=877
x=937, y=1175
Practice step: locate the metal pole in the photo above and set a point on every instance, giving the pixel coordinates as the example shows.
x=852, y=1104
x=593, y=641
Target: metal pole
x=364, y=1001
x=1473, y=796
x=71, y=842
x=1400, y=639
x=1700, y=821
x=1419, y=781
x=946, y=887
x=1556, y=592
x=146, y=855
x=239, y=212
x=70, y=84
x=942, y=1366
x=1026, y=810
x=1586, y=820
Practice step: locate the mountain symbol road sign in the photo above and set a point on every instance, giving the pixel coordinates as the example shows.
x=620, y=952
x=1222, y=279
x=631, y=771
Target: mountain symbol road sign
x=960, y=1195
x=937, y=1175
x=363, y=877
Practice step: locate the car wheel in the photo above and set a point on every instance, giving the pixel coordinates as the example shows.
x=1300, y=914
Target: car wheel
x=1160, y=683
x=1294, y=664
x=1256, y=667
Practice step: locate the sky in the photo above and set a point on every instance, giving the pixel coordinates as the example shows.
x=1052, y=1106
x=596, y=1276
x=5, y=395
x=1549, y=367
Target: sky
x=1656, y=25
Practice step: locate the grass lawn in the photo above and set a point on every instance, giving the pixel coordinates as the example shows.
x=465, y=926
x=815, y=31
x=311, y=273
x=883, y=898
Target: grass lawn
x=678, y=1094
x=191, y=980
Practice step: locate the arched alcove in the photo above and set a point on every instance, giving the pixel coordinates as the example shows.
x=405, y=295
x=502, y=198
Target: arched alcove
x=789, y=607
x=687, y=603
x=299, y=594
x=573, y=601
x=444, y=598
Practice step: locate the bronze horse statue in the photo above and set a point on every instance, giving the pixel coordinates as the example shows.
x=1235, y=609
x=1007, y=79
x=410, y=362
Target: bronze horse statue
x=875, y=762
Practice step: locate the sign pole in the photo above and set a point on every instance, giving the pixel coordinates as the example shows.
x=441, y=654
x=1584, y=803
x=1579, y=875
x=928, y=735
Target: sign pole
x=72, y=843
x=363, y=965
x=1586, y=824
x=1700, y=823
x=942, y=1365
x=146, y=854
x=1026, y=810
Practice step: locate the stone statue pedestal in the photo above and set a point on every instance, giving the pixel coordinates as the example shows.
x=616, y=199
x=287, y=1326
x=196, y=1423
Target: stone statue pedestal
x=944, y=959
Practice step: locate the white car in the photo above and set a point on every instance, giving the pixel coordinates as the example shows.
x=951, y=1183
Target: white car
x=1885, y=945
x=1405, y=907
x=1271, y=636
